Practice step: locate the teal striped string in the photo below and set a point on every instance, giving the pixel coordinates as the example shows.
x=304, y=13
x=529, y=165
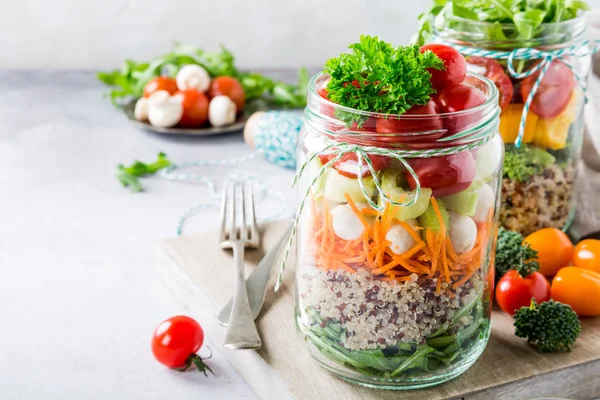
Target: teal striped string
x=276, y=135
x=583, y=49
x=339, y=149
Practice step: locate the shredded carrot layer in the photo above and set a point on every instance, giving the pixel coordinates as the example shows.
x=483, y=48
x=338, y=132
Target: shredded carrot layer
x=432, y=256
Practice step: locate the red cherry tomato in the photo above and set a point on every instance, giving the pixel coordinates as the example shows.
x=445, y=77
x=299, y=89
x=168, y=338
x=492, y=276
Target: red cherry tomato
x=587, y=254
x=514, y=291
x=554, y=93
x=230, y=87
x=177, y=340
x=195, y=108
x=495, y=72
x=445, y=175
x=454, y=63
x=160, y=83
x=348, y=164
x=460, y=98
x=411, y=125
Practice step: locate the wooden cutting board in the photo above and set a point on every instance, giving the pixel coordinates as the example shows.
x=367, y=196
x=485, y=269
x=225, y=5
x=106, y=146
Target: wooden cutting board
x=199, y=275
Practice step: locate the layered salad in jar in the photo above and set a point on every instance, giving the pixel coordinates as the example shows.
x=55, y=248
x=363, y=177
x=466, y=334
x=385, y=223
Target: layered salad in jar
x=539, y=171
x=395, y=241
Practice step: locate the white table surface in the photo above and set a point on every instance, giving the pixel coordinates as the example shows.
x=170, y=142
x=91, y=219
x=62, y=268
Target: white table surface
x=79, y=292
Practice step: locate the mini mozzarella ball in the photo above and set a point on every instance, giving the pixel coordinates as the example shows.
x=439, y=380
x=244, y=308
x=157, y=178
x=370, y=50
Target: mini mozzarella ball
x=346, y=224
x=221, y=111
x=463, y=232
x=163, y=110
x=140, y=112
x=400, y=240
x=485, y=201
x=193, y=77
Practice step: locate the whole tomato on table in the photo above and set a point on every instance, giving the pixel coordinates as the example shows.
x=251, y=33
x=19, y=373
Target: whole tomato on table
x=176, y=341
x=587, y=254
x=516, y=289
x=579, y=288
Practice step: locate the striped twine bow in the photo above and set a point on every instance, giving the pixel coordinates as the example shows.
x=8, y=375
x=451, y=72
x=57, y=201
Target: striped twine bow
x=583, y=49
x=339, y=149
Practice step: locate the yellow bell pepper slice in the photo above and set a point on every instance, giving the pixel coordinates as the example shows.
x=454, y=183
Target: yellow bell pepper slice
x=510, y=119
x=552, y=133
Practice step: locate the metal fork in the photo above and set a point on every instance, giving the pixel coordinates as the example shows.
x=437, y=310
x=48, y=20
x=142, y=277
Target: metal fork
x=238, y=231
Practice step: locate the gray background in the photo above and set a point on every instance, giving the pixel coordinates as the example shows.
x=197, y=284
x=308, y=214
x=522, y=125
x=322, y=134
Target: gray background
x=262, y=33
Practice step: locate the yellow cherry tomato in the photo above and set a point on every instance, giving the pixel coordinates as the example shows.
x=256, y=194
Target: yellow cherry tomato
x=587, y=254
x=554, y=249
x=579, y=288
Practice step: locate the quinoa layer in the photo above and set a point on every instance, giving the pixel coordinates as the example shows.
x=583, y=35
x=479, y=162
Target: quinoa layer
x=379, y=314
x=543, y=201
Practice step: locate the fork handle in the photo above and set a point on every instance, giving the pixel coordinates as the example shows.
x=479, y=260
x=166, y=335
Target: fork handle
x=241, y=330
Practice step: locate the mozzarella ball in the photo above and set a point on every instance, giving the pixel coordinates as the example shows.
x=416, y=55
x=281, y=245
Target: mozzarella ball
x=346, y=224
x=463, y=232
x=140, y=112
x=193, y=76
x=485, y=201
x=221, y=111
x=401, y=240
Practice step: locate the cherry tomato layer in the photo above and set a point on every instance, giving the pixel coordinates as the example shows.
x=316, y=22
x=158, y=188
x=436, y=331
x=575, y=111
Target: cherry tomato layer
x=460, y=98
x=554, y=249
x=554, y=93
x=579, y=288
x=444, y=175
x=195, y=108
x=402, y=125
x=348, y=164
x=230, y=87
x=587, y=254
x=175, y=340
x=494, y=72
x=455, y=66
x=514, y=291
x=160, y=83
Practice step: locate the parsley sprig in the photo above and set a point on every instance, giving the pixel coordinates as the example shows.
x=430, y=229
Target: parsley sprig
x=377, y=76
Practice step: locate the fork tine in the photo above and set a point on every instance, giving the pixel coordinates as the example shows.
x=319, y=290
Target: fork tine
x=224, y=213
x=252, y=215
x=233, y=231
x=243, y=231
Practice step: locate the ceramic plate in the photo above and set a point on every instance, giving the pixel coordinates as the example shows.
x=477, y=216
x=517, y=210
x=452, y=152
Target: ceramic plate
x=238, y=125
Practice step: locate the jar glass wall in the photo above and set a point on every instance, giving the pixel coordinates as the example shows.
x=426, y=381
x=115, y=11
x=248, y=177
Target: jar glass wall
x=390, y=295
x=539, y=176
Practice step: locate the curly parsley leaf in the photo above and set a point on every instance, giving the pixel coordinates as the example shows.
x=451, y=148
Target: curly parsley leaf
x=377, y=76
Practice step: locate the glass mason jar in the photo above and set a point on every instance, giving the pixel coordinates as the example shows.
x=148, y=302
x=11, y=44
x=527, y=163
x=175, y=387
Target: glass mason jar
x=394, y=286
x=539, y=177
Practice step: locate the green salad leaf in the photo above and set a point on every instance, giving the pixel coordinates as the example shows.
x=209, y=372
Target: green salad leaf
x=377, y=76
x=526, y=15
x=128, y=176
x=129, y=81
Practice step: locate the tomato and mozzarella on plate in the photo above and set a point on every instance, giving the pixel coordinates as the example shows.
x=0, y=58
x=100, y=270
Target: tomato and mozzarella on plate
x=190, y=100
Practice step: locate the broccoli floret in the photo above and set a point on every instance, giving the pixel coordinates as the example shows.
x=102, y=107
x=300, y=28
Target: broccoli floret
x=511, y=253
x=522, y=163
x=551, y=326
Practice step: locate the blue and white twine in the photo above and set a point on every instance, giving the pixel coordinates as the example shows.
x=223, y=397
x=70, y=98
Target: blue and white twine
x=583, y=49
x=262, y=190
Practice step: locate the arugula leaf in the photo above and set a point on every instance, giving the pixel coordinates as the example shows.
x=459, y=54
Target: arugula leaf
x=377, y=76
x=128, y=176
x=129, y=81
x=526, y=15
